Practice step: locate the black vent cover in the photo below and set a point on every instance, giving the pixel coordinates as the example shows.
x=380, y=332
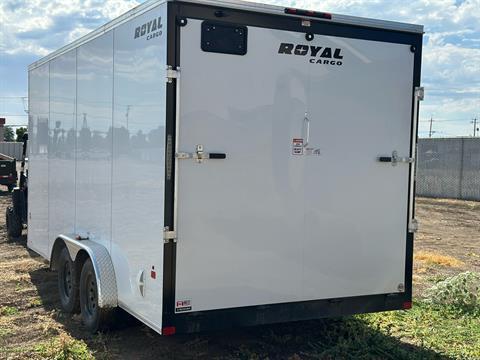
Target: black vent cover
x=224, y=38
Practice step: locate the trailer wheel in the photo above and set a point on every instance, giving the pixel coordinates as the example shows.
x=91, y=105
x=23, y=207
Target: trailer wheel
x=94, y=318
x=13, y=222
x=67, y=282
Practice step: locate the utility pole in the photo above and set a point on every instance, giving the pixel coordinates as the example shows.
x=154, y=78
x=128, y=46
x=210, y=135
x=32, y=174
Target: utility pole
x=475, y=129
x=127, y=113
x=431, y=132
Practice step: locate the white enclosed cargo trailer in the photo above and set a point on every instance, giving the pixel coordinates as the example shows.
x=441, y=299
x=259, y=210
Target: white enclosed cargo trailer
x=204, y=164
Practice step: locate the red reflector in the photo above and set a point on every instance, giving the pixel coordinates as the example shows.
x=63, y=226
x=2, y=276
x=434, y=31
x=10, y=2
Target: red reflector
x=310, y=13
x=153, y=274
x=407, y=305
x=169, y=330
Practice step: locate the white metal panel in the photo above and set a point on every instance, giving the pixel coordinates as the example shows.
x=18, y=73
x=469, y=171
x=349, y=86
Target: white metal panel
x=38, y=155
x=61, y=157
x=94, y=139
x=139, y=163
x=240, y=219
x=264, y=225
x=356, y=207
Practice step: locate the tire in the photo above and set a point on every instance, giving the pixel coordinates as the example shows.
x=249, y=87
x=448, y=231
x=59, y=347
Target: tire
x=14, y=223
x=19, y=203
x=94, y=318
x=67, y=283
x=10, y=188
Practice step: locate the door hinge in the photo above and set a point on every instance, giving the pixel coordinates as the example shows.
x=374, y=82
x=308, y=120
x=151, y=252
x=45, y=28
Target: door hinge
x=169, y=235
x=413, y=225
x=172, y=73
x=419, y=93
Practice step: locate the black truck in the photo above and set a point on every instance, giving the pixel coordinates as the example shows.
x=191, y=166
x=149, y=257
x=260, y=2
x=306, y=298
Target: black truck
x=8, y=171
x=16, y=214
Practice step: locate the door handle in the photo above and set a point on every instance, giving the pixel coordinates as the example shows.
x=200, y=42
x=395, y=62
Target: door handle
x=199, y=155
x=395, y=159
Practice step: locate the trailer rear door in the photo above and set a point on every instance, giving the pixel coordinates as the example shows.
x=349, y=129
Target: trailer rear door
x=299, y=208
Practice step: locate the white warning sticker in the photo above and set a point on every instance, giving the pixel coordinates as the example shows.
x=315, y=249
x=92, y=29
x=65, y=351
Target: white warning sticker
x=297, y=147
x=183, y=305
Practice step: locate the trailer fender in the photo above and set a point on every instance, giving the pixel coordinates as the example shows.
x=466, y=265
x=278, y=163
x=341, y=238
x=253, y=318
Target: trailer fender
x=102, y=264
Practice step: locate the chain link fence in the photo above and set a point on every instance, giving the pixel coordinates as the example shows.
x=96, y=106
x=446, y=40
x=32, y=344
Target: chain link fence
x=449, y=168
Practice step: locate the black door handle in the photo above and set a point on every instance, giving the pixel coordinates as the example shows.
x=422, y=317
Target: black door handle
x=217, y=156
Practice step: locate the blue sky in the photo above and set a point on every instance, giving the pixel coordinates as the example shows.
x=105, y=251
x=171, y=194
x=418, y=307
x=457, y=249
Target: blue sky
x=30, y=29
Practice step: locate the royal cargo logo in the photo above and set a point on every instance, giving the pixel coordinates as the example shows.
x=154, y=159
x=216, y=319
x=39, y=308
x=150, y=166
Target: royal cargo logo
x=152, y=29
x=317, y=54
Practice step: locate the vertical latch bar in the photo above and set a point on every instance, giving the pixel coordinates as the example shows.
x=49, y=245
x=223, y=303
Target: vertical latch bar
x=419, y=95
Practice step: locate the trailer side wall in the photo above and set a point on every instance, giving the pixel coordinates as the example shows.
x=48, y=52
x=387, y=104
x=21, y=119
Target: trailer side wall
x=39, y=113
x=97, y=161
x=61, y=154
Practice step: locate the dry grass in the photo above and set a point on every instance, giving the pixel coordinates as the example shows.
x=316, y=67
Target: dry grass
x=432, y=258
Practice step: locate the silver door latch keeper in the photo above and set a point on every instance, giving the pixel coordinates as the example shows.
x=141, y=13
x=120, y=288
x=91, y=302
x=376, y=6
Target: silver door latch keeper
x=395, y=159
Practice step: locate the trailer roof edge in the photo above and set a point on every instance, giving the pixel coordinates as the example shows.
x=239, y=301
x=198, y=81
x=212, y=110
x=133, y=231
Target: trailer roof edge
x=236, y=4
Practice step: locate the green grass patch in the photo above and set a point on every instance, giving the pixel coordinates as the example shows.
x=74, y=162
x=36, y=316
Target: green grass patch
x=35, y=302
x=439, y=330
x=64, y=347
x=8, y=310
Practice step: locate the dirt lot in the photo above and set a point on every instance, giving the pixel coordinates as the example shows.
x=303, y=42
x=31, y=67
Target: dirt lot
x=31, y=326
x=448, y=241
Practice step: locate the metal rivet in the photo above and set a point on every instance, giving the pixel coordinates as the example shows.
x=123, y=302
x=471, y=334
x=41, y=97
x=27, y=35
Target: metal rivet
x=413, y=48
x=309, y=36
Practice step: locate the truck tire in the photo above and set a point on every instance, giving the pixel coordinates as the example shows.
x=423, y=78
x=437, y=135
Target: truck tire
x=19, y=203
x=94, y=318
x=67, y=283
x=13, y=222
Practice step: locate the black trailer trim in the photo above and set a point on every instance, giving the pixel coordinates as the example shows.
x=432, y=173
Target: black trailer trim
x=283, y=312
x=286, y=312
x=293, y=23
x=170, y=248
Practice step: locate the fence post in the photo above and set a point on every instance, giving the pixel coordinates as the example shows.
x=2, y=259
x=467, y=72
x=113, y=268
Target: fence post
x=462, y=155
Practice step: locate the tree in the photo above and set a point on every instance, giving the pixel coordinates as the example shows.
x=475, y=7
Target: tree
x=8, y=134
x=20, y=131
